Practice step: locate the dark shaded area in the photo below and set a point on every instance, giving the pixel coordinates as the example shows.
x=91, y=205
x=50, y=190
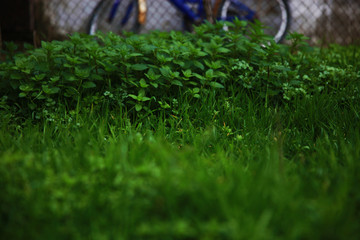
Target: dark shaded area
x=25, y=21
x=17, y=20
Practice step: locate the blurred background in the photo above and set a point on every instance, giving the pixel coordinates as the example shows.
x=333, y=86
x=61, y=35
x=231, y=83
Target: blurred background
x=324, y=21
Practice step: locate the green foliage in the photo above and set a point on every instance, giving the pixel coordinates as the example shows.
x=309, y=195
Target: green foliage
x=144, y=71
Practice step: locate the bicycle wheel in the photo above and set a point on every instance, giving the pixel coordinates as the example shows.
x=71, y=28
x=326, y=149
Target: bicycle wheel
x=273, y=14
x=114, y=16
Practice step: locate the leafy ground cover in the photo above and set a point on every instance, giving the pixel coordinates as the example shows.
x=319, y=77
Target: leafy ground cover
x=210, y=135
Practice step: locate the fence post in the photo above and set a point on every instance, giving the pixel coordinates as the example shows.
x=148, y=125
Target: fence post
x=208, y=11
x=0, y=38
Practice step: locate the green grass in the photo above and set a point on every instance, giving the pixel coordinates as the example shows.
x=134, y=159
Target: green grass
x=226, y=169
x=169, y=136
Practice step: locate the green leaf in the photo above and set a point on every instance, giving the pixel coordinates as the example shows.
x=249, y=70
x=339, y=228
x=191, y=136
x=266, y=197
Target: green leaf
x=164, y=105
x=209, y=74
x=82, y=73
x=38, y=95
x=97, y=77
x=54, y=79
x=27, y=71
x=196, y=90
x=143, y=83
x=73, y=60
x=22, y=94
x=133, y=96
x=140, y=97
x=39, y=77
x=26, y=87
x=180, y=63
x=71, y=92
x=216, y=85
x=88, y=84
x=213, y=64
x=201, y=54
x=50, y=90
x=68, y=77
x=223, y=50
x=187, y=73
x=175, y=75
x=155, y=85
x=139, y=67
x=109, y=67
x=166, y=71
x=163, y=57
x=220, y=74
x=198, y=76
x=177, y=82
x=135, y=55
x=148, y=48
x=138, y=107
x=20, y=62
x=141, y=93
x=199, y=65
x=151, y=75
x=144, y=99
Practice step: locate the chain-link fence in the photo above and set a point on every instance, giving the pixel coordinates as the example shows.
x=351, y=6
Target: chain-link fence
x=324, y=21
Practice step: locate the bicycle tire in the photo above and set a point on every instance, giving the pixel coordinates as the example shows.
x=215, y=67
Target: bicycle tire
x=274, y=14
x=98, y=18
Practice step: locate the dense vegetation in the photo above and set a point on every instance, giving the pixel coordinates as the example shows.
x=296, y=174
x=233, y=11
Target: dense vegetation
x=211, y=135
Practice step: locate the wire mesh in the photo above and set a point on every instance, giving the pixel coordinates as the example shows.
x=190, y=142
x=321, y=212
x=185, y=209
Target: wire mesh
x=324, y=21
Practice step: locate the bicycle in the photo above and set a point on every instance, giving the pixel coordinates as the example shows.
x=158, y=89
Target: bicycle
x=129, y=15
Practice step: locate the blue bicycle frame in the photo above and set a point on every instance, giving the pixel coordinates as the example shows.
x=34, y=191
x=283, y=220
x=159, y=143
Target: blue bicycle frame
x=181, y=5
x=250, y=14
x=200, y=13
x=114, y=9
x=185, y=9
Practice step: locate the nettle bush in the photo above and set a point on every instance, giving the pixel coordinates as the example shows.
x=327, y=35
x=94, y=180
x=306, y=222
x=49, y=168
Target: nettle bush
x=154, y=72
